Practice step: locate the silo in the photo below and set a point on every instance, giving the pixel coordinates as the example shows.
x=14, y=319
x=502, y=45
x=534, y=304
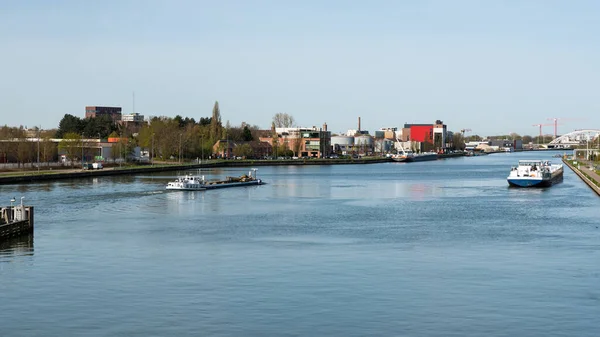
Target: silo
x=364, y=140
x=342, y=144
x=383, y=145
x=342, y=140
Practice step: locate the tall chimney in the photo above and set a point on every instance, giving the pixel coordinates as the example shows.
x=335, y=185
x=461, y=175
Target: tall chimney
x=358, y=124
x=324, y=126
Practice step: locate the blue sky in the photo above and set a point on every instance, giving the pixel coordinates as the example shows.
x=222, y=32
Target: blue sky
x=492, y=66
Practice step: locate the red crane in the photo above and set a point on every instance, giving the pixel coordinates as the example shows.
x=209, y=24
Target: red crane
x=540, y=125
x=555, y=119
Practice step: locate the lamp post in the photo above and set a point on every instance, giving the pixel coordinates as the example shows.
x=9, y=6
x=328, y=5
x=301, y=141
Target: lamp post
x=587, y=144
x=180, y=148
x=82, y=150
x=202, y=148
x=38, y=152
x=120, y=151
x=152, y=152
x=12, y=210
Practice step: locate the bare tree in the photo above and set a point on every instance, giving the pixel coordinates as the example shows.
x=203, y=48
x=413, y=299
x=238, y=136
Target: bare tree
x=48, y=150
x=24, y=151
x=297, y=146
x=283, y=120
x=71, y=144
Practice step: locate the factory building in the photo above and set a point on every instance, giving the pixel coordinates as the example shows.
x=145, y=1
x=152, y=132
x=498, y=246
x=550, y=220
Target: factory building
x=303, y=142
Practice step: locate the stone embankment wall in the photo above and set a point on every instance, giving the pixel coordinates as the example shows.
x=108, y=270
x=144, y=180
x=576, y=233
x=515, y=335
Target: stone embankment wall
x=31, y=176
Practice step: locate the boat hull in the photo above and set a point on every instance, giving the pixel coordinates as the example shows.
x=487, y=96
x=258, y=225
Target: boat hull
x=423, y=157
x=185, y=188
x=211, y=186
x=191, y=183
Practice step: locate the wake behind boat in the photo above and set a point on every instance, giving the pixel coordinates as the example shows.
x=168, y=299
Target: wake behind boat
x=535, y=173
x=191, y=183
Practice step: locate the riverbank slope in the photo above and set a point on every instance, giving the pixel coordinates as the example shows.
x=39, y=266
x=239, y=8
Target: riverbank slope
x=589, y=176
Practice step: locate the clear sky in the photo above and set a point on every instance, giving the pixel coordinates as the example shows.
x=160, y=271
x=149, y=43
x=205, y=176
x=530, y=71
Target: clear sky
x=492, y=66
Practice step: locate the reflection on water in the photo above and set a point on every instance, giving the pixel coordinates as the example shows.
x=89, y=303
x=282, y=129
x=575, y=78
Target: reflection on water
x=384, y=249
x=22, y=245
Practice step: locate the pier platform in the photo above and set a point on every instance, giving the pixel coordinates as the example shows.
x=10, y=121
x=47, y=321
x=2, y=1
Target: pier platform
x=15, y=221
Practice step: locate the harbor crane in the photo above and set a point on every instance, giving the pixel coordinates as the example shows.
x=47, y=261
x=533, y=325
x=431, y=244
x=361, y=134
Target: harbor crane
x=540, y=125
x=555, y=119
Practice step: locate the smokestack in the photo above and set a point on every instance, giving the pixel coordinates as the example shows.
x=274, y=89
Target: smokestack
x=358, y=124
x=324, y=126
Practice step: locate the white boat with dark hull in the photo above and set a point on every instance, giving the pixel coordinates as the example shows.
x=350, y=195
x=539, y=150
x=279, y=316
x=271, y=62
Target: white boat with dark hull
x=191, y=183
x=424, y=156
x=402, y=157
x=187, y=183
x=409, y=156
x=535, y=173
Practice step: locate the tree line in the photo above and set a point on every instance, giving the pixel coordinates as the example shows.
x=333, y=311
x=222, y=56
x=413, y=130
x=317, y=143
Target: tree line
x=16, y=147
x=164, y=137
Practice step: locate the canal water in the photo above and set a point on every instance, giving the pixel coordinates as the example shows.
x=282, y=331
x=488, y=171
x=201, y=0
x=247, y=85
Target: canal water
x=440, y=248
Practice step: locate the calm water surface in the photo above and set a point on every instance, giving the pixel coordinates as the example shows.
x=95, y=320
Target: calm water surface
x=439, y=248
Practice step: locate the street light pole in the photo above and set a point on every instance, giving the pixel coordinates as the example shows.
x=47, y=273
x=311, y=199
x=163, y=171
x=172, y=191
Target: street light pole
x=152, y=155
x=587, y=144
x=180, y=148
x=202, y=148
x=12, y=209
x=82, y=150
x=120, y=151
x=38, y=154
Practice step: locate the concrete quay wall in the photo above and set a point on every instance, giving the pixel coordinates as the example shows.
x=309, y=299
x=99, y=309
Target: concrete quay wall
x=33, y=177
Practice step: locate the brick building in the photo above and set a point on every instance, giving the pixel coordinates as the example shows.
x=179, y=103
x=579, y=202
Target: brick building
x=303, y=142
x=97, y=111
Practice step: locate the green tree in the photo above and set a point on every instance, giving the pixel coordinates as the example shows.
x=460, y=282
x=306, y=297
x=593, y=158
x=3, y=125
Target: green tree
x=216, y=128
x=69, y=124
x=458, y=141
x=243, y=150
x=205, y=121
x=247, y=134
x=98, y=127
x=179, y=120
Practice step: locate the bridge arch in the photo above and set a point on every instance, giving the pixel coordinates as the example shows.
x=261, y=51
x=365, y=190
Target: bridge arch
x=574, y=138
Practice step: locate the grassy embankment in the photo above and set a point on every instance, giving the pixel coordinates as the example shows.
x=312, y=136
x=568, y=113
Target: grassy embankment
x=583, y=172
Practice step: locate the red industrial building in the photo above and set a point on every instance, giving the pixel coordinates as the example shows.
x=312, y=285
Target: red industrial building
x=434, y=134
